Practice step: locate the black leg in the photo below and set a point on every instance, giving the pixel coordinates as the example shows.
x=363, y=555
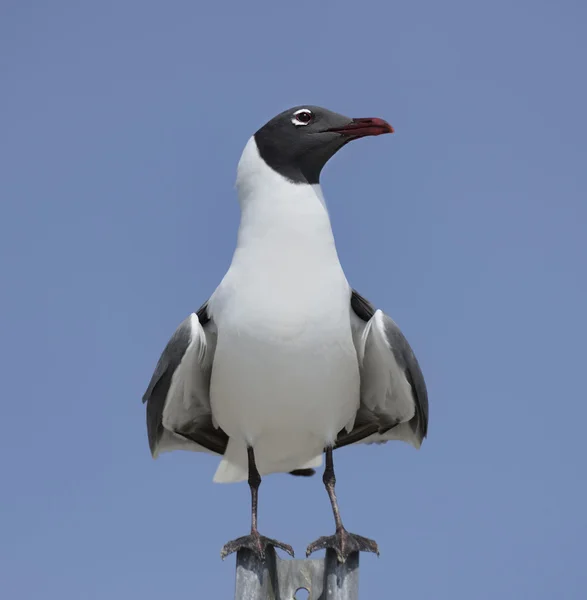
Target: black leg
x=254, y=541
x=342, y=542
x=254, y=483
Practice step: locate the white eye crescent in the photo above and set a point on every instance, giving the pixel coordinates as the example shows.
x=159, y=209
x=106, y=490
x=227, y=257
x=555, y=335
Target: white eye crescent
x=303, y=116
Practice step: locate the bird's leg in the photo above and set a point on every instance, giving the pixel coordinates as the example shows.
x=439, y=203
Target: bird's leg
x=342, y=542
x=254, y=542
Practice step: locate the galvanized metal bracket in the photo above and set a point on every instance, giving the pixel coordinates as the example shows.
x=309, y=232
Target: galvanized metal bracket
x=277, y=579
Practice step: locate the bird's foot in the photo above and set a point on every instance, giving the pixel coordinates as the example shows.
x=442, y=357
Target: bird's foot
x=256, y=543
x=344, y=544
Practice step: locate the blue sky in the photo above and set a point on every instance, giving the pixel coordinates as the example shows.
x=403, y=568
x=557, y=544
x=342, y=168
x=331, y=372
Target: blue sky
x=122, y=123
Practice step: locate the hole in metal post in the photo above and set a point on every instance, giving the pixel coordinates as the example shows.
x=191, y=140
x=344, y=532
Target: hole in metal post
x=302, y=594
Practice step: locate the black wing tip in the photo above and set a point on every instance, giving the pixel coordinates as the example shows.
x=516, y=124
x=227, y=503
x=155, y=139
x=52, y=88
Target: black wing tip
x=419, y=422
x=303, y=472
x=361, y=306
x=154, y=437
x=203, y=315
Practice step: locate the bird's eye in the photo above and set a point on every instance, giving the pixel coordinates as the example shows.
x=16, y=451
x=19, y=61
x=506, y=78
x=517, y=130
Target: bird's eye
x=302, y=117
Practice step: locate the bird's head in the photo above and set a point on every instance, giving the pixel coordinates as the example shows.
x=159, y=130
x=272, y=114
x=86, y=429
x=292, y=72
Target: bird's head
x=298, y=142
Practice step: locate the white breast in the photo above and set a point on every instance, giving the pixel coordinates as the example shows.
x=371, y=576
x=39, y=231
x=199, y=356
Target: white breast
x=285, y=377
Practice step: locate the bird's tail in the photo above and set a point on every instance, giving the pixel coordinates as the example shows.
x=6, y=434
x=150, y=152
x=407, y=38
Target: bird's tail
x=234, y=464
x=303, y=472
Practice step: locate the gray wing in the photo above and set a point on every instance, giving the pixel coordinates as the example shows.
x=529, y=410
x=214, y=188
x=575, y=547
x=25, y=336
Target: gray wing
x=178, y=400
x=394, y=399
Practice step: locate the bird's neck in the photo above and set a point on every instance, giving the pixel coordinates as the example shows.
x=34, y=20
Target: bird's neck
x=279, y=216
x=285, y=262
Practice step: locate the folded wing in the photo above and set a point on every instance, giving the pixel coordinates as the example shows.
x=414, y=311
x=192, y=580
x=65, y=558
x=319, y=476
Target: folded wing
x=178, y=396
x=394, y=400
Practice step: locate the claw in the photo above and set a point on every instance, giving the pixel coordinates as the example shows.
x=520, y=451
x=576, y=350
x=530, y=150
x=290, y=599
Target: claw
x=344, y=544
x=256, y=543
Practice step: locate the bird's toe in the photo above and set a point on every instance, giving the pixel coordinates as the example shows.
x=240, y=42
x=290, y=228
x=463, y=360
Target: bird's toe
x=344, y=544
x=256, y=543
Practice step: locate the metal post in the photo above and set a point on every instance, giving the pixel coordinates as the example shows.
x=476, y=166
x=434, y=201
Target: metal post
x=276, y=579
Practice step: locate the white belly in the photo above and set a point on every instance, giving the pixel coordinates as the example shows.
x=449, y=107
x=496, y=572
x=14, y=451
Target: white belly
x=285, y=393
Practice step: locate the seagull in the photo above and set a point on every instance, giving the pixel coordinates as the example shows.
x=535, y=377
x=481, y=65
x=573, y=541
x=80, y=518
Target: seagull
x=285, y=361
